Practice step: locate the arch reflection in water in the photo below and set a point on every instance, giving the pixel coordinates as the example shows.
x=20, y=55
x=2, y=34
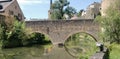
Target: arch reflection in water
x=81, y=45
x=42, y=39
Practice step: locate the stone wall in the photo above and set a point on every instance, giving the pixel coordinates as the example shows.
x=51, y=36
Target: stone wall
x=59, y=31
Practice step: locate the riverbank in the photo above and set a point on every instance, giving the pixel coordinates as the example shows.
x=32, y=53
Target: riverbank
x=114, y=51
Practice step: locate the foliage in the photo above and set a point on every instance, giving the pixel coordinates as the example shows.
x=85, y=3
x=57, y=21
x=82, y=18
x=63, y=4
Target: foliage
x=80, y=12
x=111, y=25
x=81, y=45
x=1, y=31
x=36, y=38
x=56, y=14
x=59, y=9
x=114, y=51
x=14, y=36
x=70, y=11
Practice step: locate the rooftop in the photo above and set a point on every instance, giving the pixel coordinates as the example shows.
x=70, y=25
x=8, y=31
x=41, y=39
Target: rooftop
x=4, y=4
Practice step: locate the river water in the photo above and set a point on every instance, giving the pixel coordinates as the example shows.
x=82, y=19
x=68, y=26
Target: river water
x=35, y=52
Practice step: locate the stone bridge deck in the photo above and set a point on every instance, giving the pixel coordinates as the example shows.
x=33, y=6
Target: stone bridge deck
x=58, y=31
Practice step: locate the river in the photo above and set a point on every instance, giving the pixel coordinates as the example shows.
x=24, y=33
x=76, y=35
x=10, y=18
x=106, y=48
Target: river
x=35, y=52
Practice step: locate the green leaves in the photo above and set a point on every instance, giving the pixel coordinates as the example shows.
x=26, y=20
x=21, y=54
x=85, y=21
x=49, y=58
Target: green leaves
x=1, y=38
x=80, y=12
x=70, y=11
x=111, y=23
x=59, y=9
x=56, y=14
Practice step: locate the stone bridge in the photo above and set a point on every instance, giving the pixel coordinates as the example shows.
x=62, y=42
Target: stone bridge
x=58, y=31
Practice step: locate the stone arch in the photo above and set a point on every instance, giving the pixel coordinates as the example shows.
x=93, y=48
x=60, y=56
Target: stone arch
x=43, y=34
x=86, y=32
x=75, y=32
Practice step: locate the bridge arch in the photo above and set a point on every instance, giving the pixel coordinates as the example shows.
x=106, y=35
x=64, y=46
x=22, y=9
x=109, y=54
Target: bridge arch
x=46, y=35
x=85, y=32
x=78, y=48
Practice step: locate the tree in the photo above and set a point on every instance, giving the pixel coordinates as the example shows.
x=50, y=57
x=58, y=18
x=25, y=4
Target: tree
x=80, y=12
x=111, y=24
x=12, y=35
x=56, y=14
x=70, y=11
x=1, y=38
x=59, y=9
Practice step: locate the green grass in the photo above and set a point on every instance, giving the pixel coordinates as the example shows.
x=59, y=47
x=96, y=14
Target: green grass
x=114, y=51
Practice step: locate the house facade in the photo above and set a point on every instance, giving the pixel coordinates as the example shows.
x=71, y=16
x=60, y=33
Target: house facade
x=10, y=9
x=107, y=3
x=92, y=11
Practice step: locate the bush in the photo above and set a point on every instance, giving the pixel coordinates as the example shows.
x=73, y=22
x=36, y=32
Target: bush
x=36, y=38
x=16, y=35
x=1, y=31
x=12, y=35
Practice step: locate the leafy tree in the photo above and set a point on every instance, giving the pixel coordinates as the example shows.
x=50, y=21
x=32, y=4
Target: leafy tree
x=12, y=35
x=70, y=11
x=59, y=9
x=111, y=24
x=16, y=35
x=80, y=12
x=1, y=38
x=56, y=14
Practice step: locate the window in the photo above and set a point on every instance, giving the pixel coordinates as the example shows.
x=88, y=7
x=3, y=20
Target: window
x=1, y=7
x=1, y=18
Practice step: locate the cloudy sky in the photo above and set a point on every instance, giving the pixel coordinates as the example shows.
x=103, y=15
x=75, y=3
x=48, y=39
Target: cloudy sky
x=39, y=8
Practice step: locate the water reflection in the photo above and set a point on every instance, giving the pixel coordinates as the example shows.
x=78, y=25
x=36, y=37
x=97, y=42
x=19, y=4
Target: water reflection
x=81, y=45
x=35, y=52
x=47, y=50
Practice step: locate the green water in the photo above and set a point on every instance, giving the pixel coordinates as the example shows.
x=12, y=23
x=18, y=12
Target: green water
x=35, y=52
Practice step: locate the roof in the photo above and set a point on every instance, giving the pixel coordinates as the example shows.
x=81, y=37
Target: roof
x=4, y=4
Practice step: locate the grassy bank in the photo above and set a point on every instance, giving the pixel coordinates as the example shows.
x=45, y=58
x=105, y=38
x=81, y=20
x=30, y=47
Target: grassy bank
x=114, y=51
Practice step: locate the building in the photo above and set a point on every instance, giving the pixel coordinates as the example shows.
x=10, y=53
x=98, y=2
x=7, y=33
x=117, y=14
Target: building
x=107, y=3
x=10, y=9
x=92, y=11
x=50, y=11
x=104, y=5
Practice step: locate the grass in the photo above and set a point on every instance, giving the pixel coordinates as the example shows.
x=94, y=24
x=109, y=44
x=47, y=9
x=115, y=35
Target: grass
x=114, y=51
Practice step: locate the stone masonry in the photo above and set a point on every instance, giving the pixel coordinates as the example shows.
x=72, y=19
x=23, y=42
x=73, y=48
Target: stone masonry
x=58, y=31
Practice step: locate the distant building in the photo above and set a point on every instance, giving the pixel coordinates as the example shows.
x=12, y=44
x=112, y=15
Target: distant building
x=66, y=16
x=107, y=3
x=50, y=11
x=92, y=11
x=74, y=17
x=10, y=9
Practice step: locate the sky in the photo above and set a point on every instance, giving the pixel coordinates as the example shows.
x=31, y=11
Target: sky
x=39, y=8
